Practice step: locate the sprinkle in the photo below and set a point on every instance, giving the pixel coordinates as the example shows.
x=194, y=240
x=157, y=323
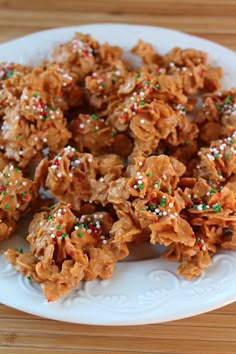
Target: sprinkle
x=94, y=116
x=20, y=249
x=148, y=174
x=140, y=163
x=162, y=201
x=228, y=100
x=7, y=206
x=64, y=234
x=80, y=234
x=187, y=142
x=137, y=75
x=112, y=134
x=216, y=207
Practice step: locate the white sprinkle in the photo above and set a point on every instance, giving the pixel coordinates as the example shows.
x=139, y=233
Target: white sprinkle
x=140, y=163
x=171, y=205
x=90, y=160
x=142, y=121
x=104, y=241
x=59, y=174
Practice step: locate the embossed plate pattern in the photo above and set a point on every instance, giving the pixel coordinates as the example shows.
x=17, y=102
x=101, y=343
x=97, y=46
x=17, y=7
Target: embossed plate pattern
x=144, y=291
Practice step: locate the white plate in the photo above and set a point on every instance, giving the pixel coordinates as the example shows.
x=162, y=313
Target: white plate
x=144, y=291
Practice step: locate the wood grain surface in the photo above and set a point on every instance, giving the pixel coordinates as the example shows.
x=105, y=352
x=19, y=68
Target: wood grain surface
x=214, y=332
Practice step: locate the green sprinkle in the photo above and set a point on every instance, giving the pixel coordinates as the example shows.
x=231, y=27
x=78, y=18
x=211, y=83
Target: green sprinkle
x=147, y=82
x=80, y=234
x=64, y=235
x=140, y=186
x=95, y=129
x=143, y=209
x=24, y=193
x=137, y=75
x=218, y=107
x=163, y=202
x=103, y=84
x=58, y=227
x=7, y=175
x=49, y=217
x=113, y=134
x=187, y=142
x=4, y=192
x=16, y=169
x=20, y=249
x=195, y=206
x=12, y=195
x=211, y=191
x=9, y=73
x=204, y=207
x=17, y=136
x=148, y=174
x=198, y=239
x=217, y=207
x=54, y=108
x=153, y=206
x=43, y=118
x=94, y=116
x=7, y=206
x=216, y=155
x=219, y=172
x=157, y=184
x=7, y=183
x=167, y=190
x=158, y=86
x=228, y=100
x=142, y=103
x=35, y=94
x=52, y=207
x=226, y=155
x=231, y=141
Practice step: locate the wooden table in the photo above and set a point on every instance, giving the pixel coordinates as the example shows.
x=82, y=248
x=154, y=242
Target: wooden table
x=213, y=332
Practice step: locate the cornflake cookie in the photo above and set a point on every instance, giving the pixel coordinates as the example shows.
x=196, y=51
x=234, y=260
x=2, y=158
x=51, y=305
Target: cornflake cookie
x=127, y=154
